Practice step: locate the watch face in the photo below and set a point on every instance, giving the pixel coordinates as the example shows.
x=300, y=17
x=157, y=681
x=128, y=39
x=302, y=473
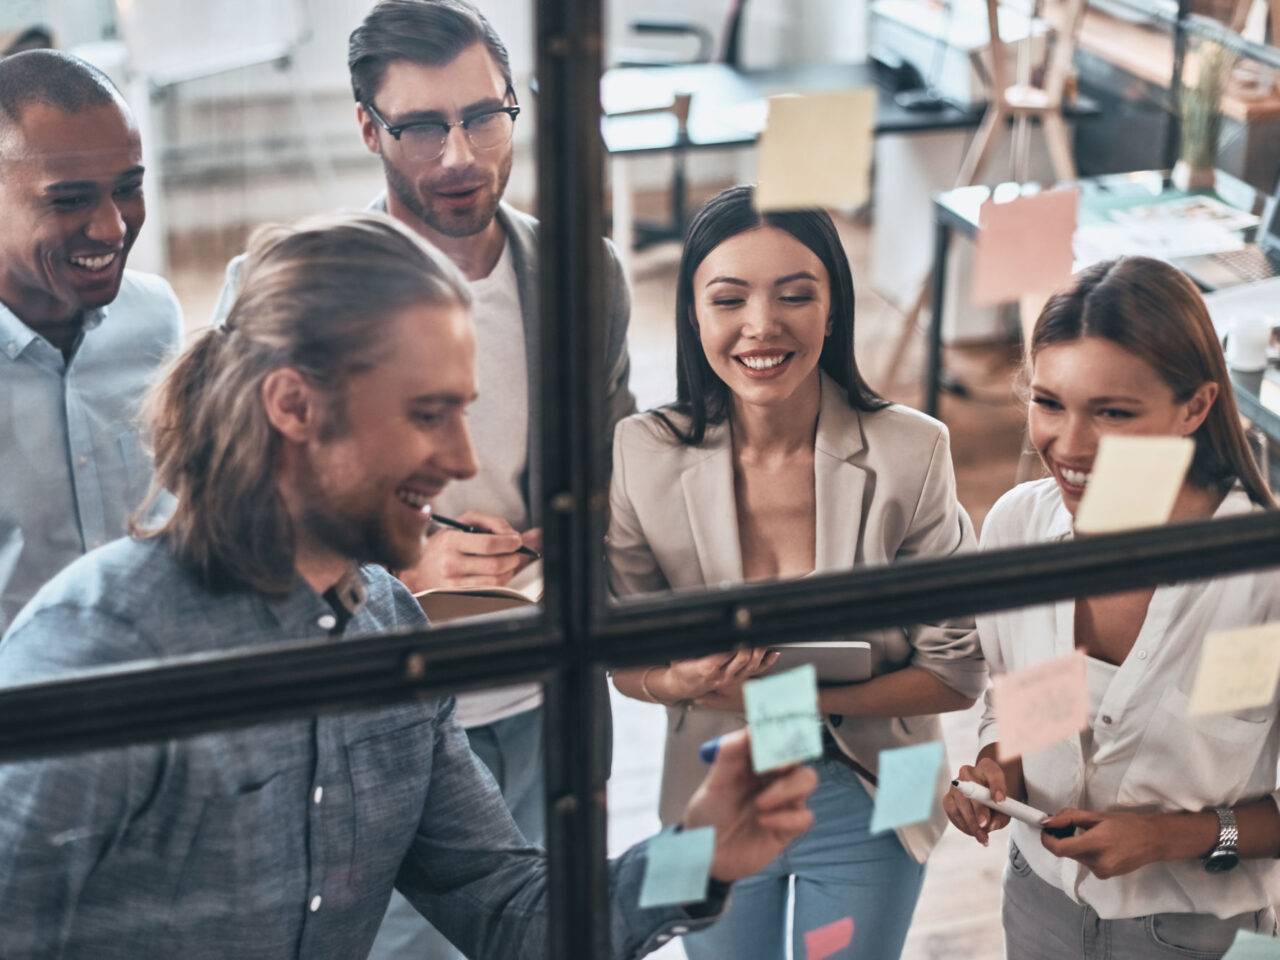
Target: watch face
x=1220, y=861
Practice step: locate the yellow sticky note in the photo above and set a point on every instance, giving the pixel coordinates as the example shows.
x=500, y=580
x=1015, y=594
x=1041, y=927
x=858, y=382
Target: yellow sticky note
x=1239, y=669
x=1024, y=246
x=815, y=151
x=1133, y=483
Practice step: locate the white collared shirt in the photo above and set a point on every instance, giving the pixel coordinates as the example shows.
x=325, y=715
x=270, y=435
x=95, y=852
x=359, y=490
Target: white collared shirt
x=1147, y=750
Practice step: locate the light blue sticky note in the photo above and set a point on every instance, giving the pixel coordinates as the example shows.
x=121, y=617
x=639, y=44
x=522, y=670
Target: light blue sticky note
x=908, y=785
x=677, y=868
x=1253, y=946
x=782, y=712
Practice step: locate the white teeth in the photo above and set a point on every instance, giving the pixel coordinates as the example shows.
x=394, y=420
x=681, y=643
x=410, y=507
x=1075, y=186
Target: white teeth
x=1076, y=478
x=763, y=363
x=93, y=263
x=416, y=500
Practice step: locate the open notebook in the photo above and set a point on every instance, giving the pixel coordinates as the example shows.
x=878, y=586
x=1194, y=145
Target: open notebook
x=444, y=604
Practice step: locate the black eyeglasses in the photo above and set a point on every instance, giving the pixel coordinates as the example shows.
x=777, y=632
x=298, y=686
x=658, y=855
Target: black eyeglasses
x=426, y=139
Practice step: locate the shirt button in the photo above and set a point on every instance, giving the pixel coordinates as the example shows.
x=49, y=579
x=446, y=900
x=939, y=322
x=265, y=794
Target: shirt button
x=680, y=931
x=1106, y=718
x=663, y=937
x=82, y=460
x=315, y=903
x=1142, y=654
x=318, y=795
x=327, y=621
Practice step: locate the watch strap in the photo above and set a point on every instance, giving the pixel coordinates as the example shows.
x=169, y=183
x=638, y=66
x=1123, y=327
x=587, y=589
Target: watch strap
x=1228, y=831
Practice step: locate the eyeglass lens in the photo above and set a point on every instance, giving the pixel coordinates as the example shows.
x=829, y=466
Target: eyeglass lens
x=486, y=132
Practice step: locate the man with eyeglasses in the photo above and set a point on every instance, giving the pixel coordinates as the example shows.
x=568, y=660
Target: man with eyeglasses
x=436, y=102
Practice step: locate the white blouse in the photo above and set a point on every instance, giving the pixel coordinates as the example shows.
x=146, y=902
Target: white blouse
x=1147, y=750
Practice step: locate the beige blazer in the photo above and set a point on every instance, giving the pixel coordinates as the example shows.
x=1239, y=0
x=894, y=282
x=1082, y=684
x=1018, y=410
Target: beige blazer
x=885, y=491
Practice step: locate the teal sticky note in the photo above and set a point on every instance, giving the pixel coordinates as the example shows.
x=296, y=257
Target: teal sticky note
x=782, y=712
x=1253, y=946
x=677, y=867
x=908, y=785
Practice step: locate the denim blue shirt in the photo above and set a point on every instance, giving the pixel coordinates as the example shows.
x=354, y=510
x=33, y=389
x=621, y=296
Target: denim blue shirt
x=72, y=467
x=276, y=841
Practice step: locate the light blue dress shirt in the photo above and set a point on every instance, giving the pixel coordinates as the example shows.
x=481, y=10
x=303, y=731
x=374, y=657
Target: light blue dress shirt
x=72, y=466
x=273, y=842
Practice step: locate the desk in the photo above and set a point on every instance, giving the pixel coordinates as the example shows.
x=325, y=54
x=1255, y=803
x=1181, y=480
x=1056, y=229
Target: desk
x=728, y=110
x=956, y=212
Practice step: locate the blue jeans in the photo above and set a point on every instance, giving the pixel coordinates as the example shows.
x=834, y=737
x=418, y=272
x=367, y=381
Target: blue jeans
x=512, y=750
x=840, y=871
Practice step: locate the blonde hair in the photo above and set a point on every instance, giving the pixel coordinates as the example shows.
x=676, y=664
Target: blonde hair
x=318, y=297
x=1152, y=310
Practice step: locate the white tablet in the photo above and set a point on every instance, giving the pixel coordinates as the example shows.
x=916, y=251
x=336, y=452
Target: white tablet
x=837, y=661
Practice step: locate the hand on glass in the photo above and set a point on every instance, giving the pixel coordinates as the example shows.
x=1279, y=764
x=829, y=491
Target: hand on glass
x=755, y=815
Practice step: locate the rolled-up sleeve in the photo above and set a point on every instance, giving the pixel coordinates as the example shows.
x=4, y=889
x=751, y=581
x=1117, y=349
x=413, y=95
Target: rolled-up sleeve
x=947, y=648
x=989, y=638
x=473, y=875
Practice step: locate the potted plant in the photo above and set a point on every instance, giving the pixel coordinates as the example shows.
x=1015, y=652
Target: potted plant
x=1201, y=115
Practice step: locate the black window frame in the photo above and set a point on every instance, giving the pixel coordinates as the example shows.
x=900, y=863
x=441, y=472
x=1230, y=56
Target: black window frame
x=578, y=633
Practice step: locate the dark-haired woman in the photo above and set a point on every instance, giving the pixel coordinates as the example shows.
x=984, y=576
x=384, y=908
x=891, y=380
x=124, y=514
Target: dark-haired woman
x=777, y=461
x=1177, y=828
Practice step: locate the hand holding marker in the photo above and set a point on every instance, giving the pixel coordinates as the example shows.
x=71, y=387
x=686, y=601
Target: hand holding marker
x=1010, y=808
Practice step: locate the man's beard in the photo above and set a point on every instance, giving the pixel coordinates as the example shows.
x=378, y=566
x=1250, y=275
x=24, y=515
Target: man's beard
x=352, y=528
x=446, y=223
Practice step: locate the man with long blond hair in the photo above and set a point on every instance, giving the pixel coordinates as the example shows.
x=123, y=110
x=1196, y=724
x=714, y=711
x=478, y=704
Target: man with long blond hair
x=303, y=443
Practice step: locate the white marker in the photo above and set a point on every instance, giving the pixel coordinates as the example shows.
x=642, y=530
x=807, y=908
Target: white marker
x=1011, y=808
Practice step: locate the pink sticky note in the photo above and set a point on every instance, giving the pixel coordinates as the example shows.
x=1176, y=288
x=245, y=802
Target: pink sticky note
x=826, y=941
x=1023, y=246
x=1040, y=705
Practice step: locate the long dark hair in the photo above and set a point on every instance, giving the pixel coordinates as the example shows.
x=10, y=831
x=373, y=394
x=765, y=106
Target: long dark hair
x=1152, y=310
x=700, y=393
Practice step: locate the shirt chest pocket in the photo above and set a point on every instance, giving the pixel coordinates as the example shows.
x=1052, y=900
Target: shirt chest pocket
x=242, y=856
x=1189, y=762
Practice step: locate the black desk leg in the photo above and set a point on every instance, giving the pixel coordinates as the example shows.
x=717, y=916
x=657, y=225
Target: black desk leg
x=933, y=373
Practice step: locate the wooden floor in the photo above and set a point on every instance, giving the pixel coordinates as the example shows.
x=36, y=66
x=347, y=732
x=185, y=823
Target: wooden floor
x=958, y=913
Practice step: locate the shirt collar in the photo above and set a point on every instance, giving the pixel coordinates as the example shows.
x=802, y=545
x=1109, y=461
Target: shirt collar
x=299, y=611
x=1235, y=502
x=16, y=336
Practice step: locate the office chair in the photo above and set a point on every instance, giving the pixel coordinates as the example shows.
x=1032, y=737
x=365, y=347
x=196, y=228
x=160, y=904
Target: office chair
x=648, y=233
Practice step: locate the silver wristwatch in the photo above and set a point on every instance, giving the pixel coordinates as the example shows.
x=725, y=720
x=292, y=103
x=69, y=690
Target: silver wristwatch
x=1225, y=853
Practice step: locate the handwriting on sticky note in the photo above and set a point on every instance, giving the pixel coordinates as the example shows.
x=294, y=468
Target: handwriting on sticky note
x=1023, y=246
x=1239, y=669
x=1133, y=482
x=908, y=785
x=1253, y=946
x=677, y=867
x=815, y=151
x=1040, y=705
x=782, y=713
x=827, y=941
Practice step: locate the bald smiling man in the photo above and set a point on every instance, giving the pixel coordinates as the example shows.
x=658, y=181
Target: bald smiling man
x=80, y=336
